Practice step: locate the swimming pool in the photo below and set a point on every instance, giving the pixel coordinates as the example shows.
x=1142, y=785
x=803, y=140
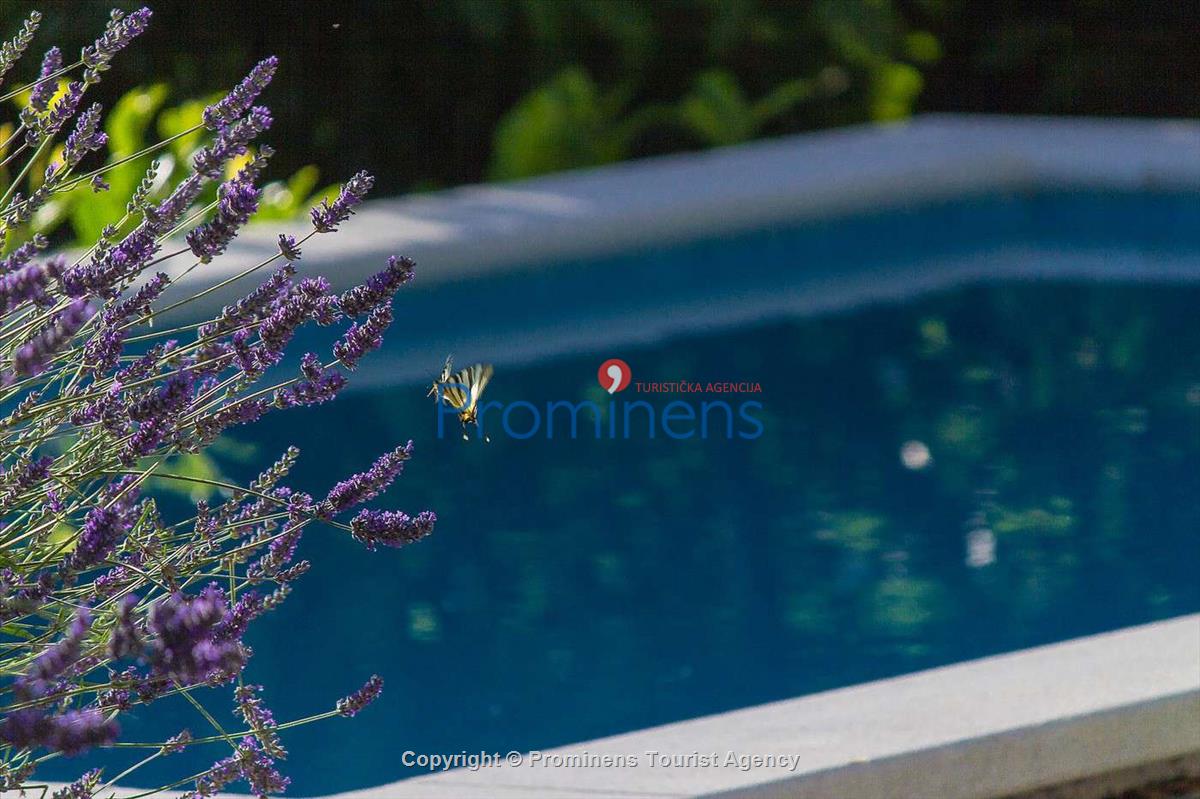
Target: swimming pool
x=946, y=470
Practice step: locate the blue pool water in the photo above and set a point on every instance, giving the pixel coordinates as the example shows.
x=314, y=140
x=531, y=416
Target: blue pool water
x=970, y=472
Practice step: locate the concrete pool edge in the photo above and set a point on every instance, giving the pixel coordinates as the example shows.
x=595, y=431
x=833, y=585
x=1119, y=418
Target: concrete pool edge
x=994, y=727
x=1106, y=710
x=487, y=229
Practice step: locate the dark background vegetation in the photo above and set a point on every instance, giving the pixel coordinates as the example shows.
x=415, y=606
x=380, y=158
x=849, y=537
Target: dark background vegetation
x=423, y=92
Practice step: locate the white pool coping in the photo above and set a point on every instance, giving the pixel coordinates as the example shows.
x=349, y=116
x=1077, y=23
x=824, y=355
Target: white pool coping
x=474, y=229
x=982, y=729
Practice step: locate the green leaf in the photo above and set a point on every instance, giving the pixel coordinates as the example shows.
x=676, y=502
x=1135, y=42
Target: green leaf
x=564, y=124
x=716, y=110
x=894, y=90
x=129, y=119
x=286, y=199
x=186, y=115
x=194, y=465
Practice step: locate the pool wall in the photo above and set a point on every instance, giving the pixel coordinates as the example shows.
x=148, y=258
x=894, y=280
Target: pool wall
x=1120, y=706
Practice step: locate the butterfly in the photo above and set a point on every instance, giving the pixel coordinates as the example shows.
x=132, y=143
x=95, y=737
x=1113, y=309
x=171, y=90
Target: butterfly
x=463, y=390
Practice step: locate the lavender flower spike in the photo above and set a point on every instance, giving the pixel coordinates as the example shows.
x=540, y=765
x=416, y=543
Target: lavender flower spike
x=86, y=137
x=62, y=110
x=83, y=788
x=13, y=49
x=361, y=339
x=39, y=98
x=118, y=33
x=379, y=287
x=367, y=485
x=125, y=640
x=239, y=200
x=327, y=216
x=237, y=102
x=183, y=645
x=33, y=356
x=354, y=703
x=233, y=140
x=103, y=529
x=391, y=528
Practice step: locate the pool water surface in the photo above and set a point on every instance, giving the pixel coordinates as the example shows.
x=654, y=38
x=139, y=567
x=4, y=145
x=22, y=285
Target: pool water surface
x=967, y=473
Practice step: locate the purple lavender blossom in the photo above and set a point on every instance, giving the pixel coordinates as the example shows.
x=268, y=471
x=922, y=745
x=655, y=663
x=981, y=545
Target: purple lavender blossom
x=354, y=704
x=163, y=217
x=182, y=645
x=391, y=528
x=119, y=32
x=24, y=475
x=319, y=385
x=63, y=109
x=85, y=138
x=251, y=307
x=168, y=399
x=103, y=529
x=361, y=339
x=103, y=350
x=250, y=763
x=57, y=658
x=231, y=107
x=23, y=254
x=233, y=140
x=283, y=547
x=25, y=284
x=259, y=718
x=365, y=486
x=299, y=306
x=44, y=90
x=108, y=269
x=72, y=732
x=82, y=788
x=239, y=200
x=177, y=743
x=33, y=356
x=288, y=248
x=145, y=439
x=54, y=502
x=327, y=216
x=13, y=49
x=125, y=640
x=144, y=365
x=139, y=303
x=249, y=606
x=378, y=288
x=242, y=412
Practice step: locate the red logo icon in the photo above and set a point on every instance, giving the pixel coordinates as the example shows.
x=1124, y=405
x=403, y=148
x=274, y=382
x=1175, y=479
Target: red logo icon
x=614, y=375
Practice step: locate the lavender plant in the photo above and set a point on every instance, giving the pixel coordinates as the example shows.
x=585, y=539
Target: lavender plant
x=106, y=603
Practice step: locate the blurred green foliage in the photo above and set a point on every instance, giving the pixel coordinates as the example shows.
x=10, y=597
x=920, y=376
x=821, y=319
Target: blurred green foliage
x=430, y=93
x=138, y=119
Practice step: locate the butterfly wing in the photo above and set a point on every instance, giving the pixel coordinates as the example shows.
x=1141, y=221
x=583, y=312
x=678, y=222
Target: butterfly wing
x=453, y=394
x=441, y=379
x=478, y=376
